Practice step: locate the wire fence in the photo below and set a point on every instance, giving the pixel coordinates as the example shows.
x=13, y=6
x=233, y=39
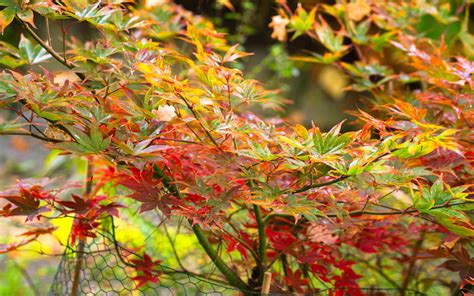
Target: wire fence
x=106, y=270
x=100, y=266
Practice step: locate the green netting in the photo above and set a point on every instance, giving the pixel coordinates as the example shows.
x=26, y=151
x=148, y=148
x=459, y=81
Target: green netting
x=101, y=267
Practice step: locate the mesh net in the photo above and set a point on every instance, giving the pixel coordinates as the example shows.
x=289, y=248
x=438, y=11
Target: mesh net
x=100, y=266
x=104, y=269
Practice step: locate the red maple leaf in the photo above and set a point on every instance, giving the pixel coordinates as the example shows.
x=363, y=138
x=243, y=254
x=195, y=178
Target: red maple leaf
x=463, y=264
x=83, y=228
x=25, y=201
x=296, y=280
x=5, y=248
x=146, y=270
x=280, y=239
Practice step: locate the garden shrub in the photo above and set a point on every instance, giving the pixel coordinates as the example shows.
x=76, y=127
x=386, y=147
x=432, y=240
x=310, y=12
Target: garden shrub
x=154, y=102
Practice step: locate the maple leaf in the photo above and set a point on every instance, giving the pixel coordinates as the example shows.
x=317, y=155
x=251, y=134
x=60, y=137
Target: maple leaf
x=321, y=234
x=146, y=189
x=280, y=239
x=83, y=228
x=296, y=280
x=231, y=55
x=320, y=271
x=25, y=201
x=146, y=270
x=5, y=248
x=349, y=277
x=374, y=238
x=7, y=15
x=233, y=244
x=343, y=283
x=32, y=235
x=39, y=231
x=79, y=205
x=90, y=207
x=316, y=254
x=463, y=264
x=195, y=198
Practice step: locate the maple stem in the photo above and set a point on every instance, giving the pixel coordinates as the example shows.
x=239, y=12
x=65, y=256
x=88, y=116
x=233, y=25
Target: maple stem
x=198, y=118
x=81, y=244
x=318, y=185
x=370, y=213
x=409, y=273
x=284, y=266
x=49, y=49
x=228, y=273
x=27, y=277
x=30, y=134
x=262, y=239
x=231, y=277
x=379, y=270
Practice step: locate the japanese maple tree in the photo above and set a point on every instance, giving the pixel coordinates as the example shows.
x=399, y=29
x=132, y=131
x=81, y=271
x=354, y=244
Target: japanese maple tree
x=156, y=105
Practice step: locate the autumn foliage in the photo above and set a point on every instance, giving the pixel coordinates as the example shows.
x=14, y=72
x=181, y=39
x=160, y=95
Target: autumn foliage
x=156, y=105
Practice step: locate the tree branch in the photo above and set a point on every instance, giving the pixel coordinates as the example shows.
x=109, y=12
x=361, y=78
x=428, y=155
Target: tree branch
x=198, y=118
x=30, y=134
x=27, y=277
x=49, y=49
x=378, y=270
x=282, y=252
x=244, y=244
x=229, y=274
x=341, y=178
x=262, y=241
x=370, y=213
x=318, y=185
x=411, y=267
x=82, y=242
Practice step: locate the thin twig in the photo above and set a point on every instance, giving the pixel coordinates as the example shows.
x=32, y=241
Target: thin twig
x=245, y=245
x=50, y=50
x=30, y=134
x=371, y=213
x=175, y=252
x=177, y=140
x=282, y=252
x=48, y=31
x=411, y=267
x=318, y=185
x=379, y=270
x=63, y=32
x=27, y=277
x=198, y=118
x=47, y=47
